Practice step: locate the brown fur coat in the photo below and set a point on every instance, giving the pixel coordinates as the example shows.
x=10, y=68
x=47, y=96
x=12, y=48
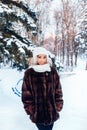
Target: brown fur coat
x=42, y=96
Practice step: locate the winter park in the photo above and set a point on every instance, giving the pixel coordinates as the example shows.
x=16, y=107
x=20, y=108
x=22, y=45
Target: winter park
x=61, y=28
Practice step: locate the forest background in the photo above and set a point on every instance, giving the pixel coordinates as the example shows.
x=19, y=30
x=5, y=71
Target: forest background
x=58, y=25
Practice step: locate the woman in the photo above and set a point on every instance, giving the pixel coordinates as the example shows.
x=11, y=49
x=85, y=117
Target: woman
x=41, y=91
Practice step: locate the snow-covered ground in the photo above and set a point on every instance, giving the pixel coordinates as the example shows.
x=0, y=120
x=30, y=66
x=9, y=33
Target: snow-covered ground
x=72, y=117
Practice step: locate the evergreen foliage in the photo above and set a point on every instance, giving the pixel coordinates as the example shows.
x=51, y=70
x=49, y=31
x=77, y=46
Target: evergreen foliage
x=12, y=40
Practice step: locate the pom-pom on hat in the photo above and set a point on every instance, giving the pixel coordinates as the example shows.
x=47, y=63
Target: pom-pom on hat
x=40, y=50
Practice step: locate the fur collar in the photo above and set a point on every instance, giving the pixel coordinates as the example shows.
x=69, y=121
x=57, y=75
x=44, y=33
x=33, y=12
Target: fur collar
x=41, y=68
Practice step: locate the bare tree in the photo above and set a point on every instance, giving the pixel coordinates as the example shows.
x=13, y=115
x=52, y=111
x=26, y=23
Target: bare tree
x=68, y=30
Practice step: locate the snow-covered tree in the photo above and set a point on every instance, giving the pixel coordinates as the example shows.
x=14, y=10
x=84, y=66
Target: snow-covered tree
x=18, y=31
x=82, y=35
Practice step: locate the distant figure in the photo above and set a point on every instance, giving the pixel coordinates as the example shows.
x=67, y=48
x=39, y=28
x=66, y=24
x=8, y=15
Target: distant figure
x=86, y=66
x=41, y=91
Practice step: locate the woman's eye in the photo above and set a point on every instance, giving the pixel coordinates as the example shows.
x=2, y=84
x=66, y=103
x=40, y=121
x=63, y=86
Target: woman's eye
x=39, y=56
x=44, y=57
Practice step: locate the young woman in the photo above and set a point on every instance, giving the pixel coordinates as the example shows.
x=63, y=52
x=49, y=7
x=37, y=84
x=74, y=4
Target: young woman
x=41, y=91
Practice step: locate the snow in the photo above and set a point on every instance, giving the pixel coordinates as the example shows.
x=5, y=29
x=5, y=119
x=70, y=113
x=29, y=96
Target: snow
x=74, y=113
x=4, y=8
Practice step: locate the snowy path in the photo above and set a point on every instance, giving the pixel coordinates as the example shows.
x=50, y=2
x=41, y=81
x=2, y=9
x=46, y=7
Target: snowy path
x=74, y=114
x=72, y=117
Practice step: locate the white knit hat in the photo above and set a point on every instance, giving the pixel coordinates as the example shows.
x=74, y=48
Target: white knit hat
x=40, y=50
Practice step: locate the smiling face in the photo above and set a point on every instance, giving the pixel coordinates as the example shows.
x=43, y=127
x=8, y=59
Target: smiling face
x=41, y=59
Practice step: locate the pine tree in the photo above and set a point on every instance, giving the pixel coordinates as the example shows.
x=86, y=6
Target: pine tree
x=17, y=27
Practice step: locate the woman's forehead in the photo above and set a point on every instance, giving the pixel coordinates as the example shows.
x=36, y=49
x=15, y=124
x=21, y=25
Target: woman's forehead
x=42, y=55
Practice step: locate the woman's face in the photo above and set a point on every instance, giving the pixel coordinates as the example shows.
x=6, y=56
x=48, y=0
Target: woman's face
x=41, y=59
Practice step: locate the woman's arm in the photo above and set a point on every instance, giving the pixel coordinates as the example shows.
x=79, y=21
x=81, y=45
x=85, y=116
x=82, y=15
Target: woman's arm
x=27, y=97
x=58, y=92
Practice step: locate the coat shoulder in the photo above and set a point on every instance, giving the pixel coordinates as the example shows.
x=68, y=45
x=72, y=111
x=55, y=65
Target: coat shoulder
x=28, y=71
